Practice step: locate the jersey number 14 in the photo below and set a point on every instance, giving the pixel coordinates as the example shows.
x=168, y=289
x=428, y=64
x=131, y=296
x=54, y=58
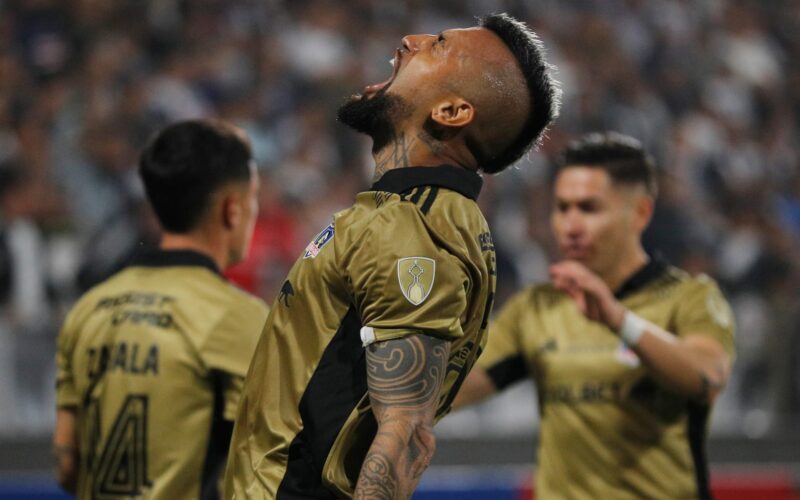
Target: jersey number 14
x=120, y=467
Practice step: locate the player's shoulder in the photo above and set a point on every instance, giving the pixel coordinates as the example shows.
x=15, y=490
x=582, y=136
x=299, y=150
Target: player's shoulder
x=446, y=213
x=207, y=301
x=454, y=211
x=233, y=300
x=393, y=209
x=437, y=203
x=245, y=302
x=700, y=296
x=687, y=282
x=427, y=203
x=442, y=199
x=391, y=218
x=231, y=322
x=88, y=301
x=227, y=339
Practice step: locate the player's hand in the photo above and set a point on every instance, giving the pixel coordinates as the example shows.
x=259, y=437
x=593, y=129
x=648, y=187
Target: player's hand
x=593, y=297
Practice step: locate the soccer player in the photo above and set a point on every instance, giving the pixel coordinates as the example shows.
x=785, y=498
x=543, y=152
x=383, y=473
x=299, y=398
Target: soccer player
x=151, y=361
x=627, y=352
x=384, y=313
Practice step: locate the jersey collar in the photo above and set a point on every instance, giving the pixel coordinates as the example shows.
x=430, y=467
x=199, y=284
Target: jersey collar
x=458, y=179
x=158, y=257
x=654, y=268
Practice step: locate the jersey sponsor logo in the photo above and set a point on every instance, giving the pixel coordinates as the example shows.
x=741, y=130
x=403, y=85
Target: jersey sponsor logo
x=583, y=392
x=136, y=299
x=322, y=239
x=137, y=317
x=135, y=308
x=660, y=402
x=416, y=276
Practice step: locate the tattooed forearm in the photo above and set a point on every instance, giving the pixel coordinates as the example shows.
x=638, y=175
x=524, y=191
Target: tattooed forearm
x=398, y=457
x=420, y=451
x=404, y=378
x=378, y=479
x=394, y=155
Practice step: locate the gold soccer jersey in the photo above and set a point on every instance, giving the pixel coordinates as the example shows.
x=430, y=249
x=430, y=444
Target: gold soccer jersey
x=413, y=255
x=608, y=430
x=153, y=361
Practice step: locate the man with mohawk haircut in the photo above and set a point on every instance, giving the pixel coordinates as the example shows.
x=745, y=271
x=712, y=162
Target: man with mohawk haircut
x=390, y=302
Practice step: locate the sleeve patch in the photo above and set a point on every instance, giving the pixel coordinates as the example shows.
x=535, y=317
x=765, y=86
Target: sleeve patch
x=323, y=238
x=416, y=276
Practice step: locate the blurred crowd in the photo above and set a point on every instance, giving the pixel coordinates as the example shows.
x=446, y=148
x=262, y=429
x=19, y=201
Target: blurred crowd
x=711, y=87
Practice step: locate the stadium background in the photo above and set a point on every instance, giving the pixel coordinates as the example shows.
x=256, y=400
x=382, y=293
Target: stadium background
x=712, y=88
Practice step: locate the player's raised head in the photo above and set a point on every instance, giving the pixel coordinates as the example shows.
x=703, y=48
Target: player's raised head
x=485, y=92
x=185, y=163
x=622, y=157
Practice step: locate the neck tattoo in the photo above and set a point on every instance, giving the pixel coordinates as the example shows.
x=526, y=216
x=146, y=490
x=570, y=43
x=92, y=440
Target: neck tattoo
x=394, y=155
x=434, y=145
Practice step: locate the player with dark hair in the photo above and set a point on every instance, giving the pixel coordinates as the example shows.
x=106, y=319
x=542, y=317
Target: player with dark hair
x=384, y=314
x=151, y=361
x=628, y=353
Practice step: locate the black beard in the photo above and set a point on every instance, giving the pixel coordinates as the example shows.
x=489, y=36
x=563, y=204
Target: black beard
x=375, y=117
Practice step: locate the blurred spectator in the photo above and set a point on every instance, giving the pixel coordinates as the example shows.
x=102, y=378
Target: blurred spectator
x=26, y=305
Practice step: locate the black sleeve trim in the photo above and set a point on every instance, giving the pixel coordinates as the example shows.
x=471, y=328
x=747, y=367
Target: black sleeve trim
x=508, y=371
x=698, y=422
x=219, y=440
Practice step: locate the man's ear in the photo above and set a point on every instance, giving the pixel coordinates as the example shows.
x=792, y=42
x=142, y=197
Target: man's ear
x=645, y=205
x=453, y=112
x=231, y=209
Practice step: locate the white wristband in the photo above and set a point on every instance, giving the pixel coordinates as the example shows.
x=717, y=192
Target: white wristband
x=632, y=328
x=367, y=335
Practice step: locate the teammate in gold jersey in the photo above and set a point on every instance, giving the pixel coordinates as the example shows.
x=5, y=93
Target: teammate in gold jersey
x=627, y=352
x=382, y=316
x=151, y=361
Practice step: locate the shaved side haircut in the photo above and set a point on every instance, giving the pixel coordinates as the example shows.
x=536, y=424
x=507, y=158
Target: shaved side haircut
x=543, y=92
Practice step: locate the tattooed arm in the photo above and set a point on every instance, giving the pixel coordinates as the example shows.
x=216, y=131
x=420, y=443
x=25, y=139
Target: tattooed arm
x=404, y=378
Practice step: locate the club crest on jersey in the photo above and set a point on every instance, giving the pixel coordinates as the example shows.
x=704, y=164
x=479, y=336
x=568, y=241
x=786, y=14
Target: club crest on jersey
x=415, y=276
x=322, y=239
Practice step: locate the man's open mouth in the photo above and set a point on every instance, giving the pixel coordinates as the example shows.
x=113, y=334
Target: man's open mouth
x=371, y=91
